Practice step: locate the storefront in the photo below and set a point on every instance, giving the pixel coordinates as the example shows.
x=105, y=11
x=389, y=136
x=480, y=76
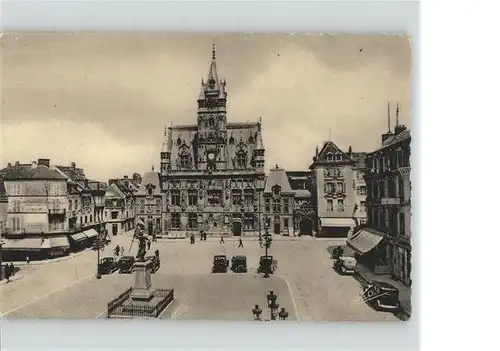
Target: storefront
x=371, y=249
x=91, y=235
x=339, y=227
x=59, y=246
x=78, y=241
x=400, y=261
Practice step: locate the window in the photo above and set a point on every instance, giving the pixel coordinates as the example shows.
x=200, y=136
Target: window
x=85, y=219
x=286, y=206
x=193, y=221
x=17, y=206
x=338, y=157
x=400, y=158
x=114, y=215
x=184, y=161
x=401, y=186
x=340, y=187
x=236, y=197
x=340, y=204
x=248, y=200
x=329, y=188
x=362, y=205
x=329, y=205
x=402, y=229
x=176, y=220
x=329, y=157
x=276, y=206
x=268, y=205
x=248, y=223
x=175, y=198
x=241, y=160
x=90, y=219
x=382, y=188
x=158, y=205
x=150, y=191
x=192, y=197
x=70, y=205
x=285, y=223
x=362, y=190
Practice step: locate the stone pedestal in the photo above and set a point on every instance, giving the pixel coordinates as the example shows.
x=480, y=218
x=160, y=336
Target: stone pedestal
x=142, y=282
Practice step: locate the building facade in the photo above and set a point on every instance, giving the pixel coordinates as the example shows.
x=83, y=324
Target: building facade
x=149, y=203
x=212, y=172
x=279, y=203
x=4, y=203
x=120, y=205
x=334, y=180
x=304, y=214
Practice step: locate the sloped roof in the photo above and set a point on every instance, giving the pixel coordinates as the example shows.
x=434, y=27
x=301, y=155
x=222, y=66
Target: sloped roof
x=152, y=178
x=114, y=191
x=328, y=148
x=277, y=176
x=74, y=174
x=302, y=194
x=394, y=139
x=28, y=172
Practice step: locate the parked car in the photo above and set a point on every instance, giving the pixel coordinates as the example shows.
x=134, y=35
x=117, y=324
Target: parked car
x=153, y=262
x=239, y=264
x=107, y=265
x=382, y=296
x=220, y=265
x=345, y=265
x=267, y=265
x=126, y=264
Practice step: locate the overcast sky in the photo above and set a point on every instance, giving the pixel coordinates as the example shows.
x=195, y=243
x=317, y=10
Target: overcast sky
x=102, y=100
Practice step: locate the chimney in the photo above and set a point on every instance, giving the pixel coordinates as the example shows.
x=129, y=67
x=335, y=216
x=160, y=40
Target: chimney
x=399, y=129
x=73, y=165
x=350, y=151
x=125, y=177
x=9, y=165
x=17, y=163
x=86, y=183
x=44, y=162
x=33, y=164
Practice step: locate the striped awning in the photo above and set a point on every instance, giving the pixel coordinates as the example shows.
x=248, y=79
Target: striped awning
x=364, y=241
x=337, y=222
x=78, y=236
x=91, y=233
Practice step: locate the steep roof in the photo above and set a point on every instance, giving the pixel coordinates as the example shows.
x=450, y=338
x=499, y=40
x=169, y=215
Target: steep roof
x=394, y=139
x=277, y=176
x=30, y=172
x=329, y=147
x=75, y=174
x=150, y=179
x=359, y=158
x=114, y=191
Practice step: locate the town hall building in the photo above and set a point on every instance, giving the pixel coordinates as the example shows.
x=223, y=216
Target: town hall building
x=212, y=172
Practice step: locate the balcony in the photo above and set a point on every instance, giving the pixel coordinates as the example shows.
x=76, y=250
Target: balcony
x=57, y=212
x=390, y=201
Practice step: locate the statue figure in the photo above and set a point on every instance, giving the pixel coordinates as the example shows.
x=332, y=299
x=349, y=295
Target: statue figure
x=143, y=241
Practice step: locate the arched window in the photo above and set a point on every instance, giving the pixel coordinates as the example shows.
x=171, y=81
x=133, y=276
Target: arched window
x=241, y=160
x=184, y=161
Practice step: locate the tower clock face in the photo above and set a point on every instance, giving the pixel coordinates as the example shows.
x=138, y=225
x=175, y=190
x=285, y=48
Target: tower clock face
x=211, y=156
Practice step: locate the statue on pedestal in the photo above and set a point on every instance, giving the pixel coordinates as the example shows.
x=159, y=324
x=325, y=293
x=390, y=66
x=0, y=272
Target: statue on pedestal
x=143, y=241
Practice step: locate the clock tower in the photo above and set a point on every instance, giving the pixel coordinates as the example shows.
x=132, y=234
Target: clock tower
x=212, y=121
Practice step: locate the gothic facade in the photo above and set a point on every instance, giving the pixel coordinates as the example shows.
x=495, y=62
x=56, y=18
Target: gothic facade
x=212, y=172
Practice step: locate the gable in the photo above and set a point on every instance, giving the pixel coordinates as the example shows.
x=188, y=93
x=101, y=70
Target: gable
x=332, y=153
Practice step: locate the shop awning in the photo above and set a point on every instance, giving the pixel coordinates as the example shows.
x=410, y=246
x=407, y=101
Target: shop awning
x=337, y=222
x=31, y=244
x=364, y=241
x=59, y=242
x=78, y=236
x=91, y=233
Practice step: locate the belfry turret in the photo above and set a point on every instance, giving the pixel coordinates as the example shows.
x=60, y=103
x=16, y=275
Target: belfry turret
x=166, y=150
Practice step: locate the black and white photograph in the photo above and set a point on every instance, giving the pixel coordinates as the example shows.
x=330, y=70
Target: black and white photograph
x=230, y=177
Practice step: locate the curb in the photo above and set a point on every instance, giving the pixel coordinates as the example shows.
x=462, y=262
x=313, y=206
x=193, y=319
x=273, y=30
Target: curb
x=16, y=278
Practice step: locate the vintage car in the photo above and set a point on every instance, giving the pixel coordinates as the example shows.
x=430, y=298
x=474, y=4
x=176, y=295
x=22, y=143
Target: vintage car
x=267, y=265
x=153, y=262
x=220, y=265
x=107, y=265
x=239, y=264
x=126, y=263
x=382, y=296
x=345, y=265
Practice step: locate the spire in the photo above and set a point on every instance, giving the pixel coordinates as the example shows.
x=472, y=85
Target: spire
x=397, y=114
x=389, y=116
x=260, y=144
x=165, y=131
x=213, y=79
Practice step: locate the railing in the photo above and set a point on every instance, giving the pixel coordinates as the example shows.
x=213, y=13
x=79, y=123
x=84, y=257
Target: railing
x=116, y=303
x=57, y=211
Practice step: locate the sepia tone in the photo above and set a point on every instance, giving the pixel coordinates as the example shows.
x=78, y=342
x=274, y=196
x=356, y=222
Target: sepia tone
x=231, y=177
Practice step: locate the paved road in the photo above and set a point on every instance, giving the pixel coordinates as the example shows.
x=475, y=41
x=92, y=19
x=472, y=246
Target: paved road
x=304, y=280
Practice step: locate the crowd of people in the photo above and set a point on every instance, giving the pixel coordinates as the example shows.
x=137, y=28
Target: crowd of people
x=9, y=271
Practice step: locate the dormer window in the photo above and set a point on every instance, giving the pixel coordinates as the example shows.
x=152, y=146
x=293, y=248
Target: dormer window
x=276, y=190
x=338, y=157
x=329, y=157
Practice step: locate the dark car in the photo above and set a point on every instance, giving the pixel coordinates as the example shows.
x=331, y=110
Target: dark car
x=126, y=264
x=221, y=263
x=239, y=264
x=107, y=265
x=153, y=262
x=267, y=265
x=382, y=296
x=345, y=265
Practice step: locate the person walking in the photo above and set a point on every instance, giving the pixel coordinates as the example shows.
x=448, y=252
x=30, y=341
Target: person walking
x=122, y=250
x=12, y=269
x=241, y=243
x=27, y=260
x=221, y=239
x=7, y=273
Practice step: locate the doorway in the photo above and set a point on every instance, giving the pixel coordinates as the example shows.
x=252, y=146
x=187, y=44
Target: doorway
x=277, y=228
x=115, y=229
x=306, y=226
x=237, y=228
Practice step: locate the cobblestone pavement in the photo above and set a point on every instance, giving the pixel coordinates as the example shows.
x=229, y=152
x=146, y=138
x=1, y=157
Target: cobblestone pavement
x=304, y=281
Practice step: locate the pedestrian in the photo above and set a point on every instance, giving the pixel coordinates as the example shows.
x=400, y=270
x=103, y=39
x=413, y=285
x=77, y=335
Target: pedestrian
x=7, y=273
x=241, y=243
x=12, y=269
x=260, y=240
x=222, y=239
x=122, y=250
x=149, y=244
x=27, y=260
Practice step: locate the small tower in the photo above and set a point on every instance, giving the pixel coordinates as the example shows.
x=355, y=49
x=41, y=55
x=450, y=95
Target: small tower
x=166, y=149
x=259, y=151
